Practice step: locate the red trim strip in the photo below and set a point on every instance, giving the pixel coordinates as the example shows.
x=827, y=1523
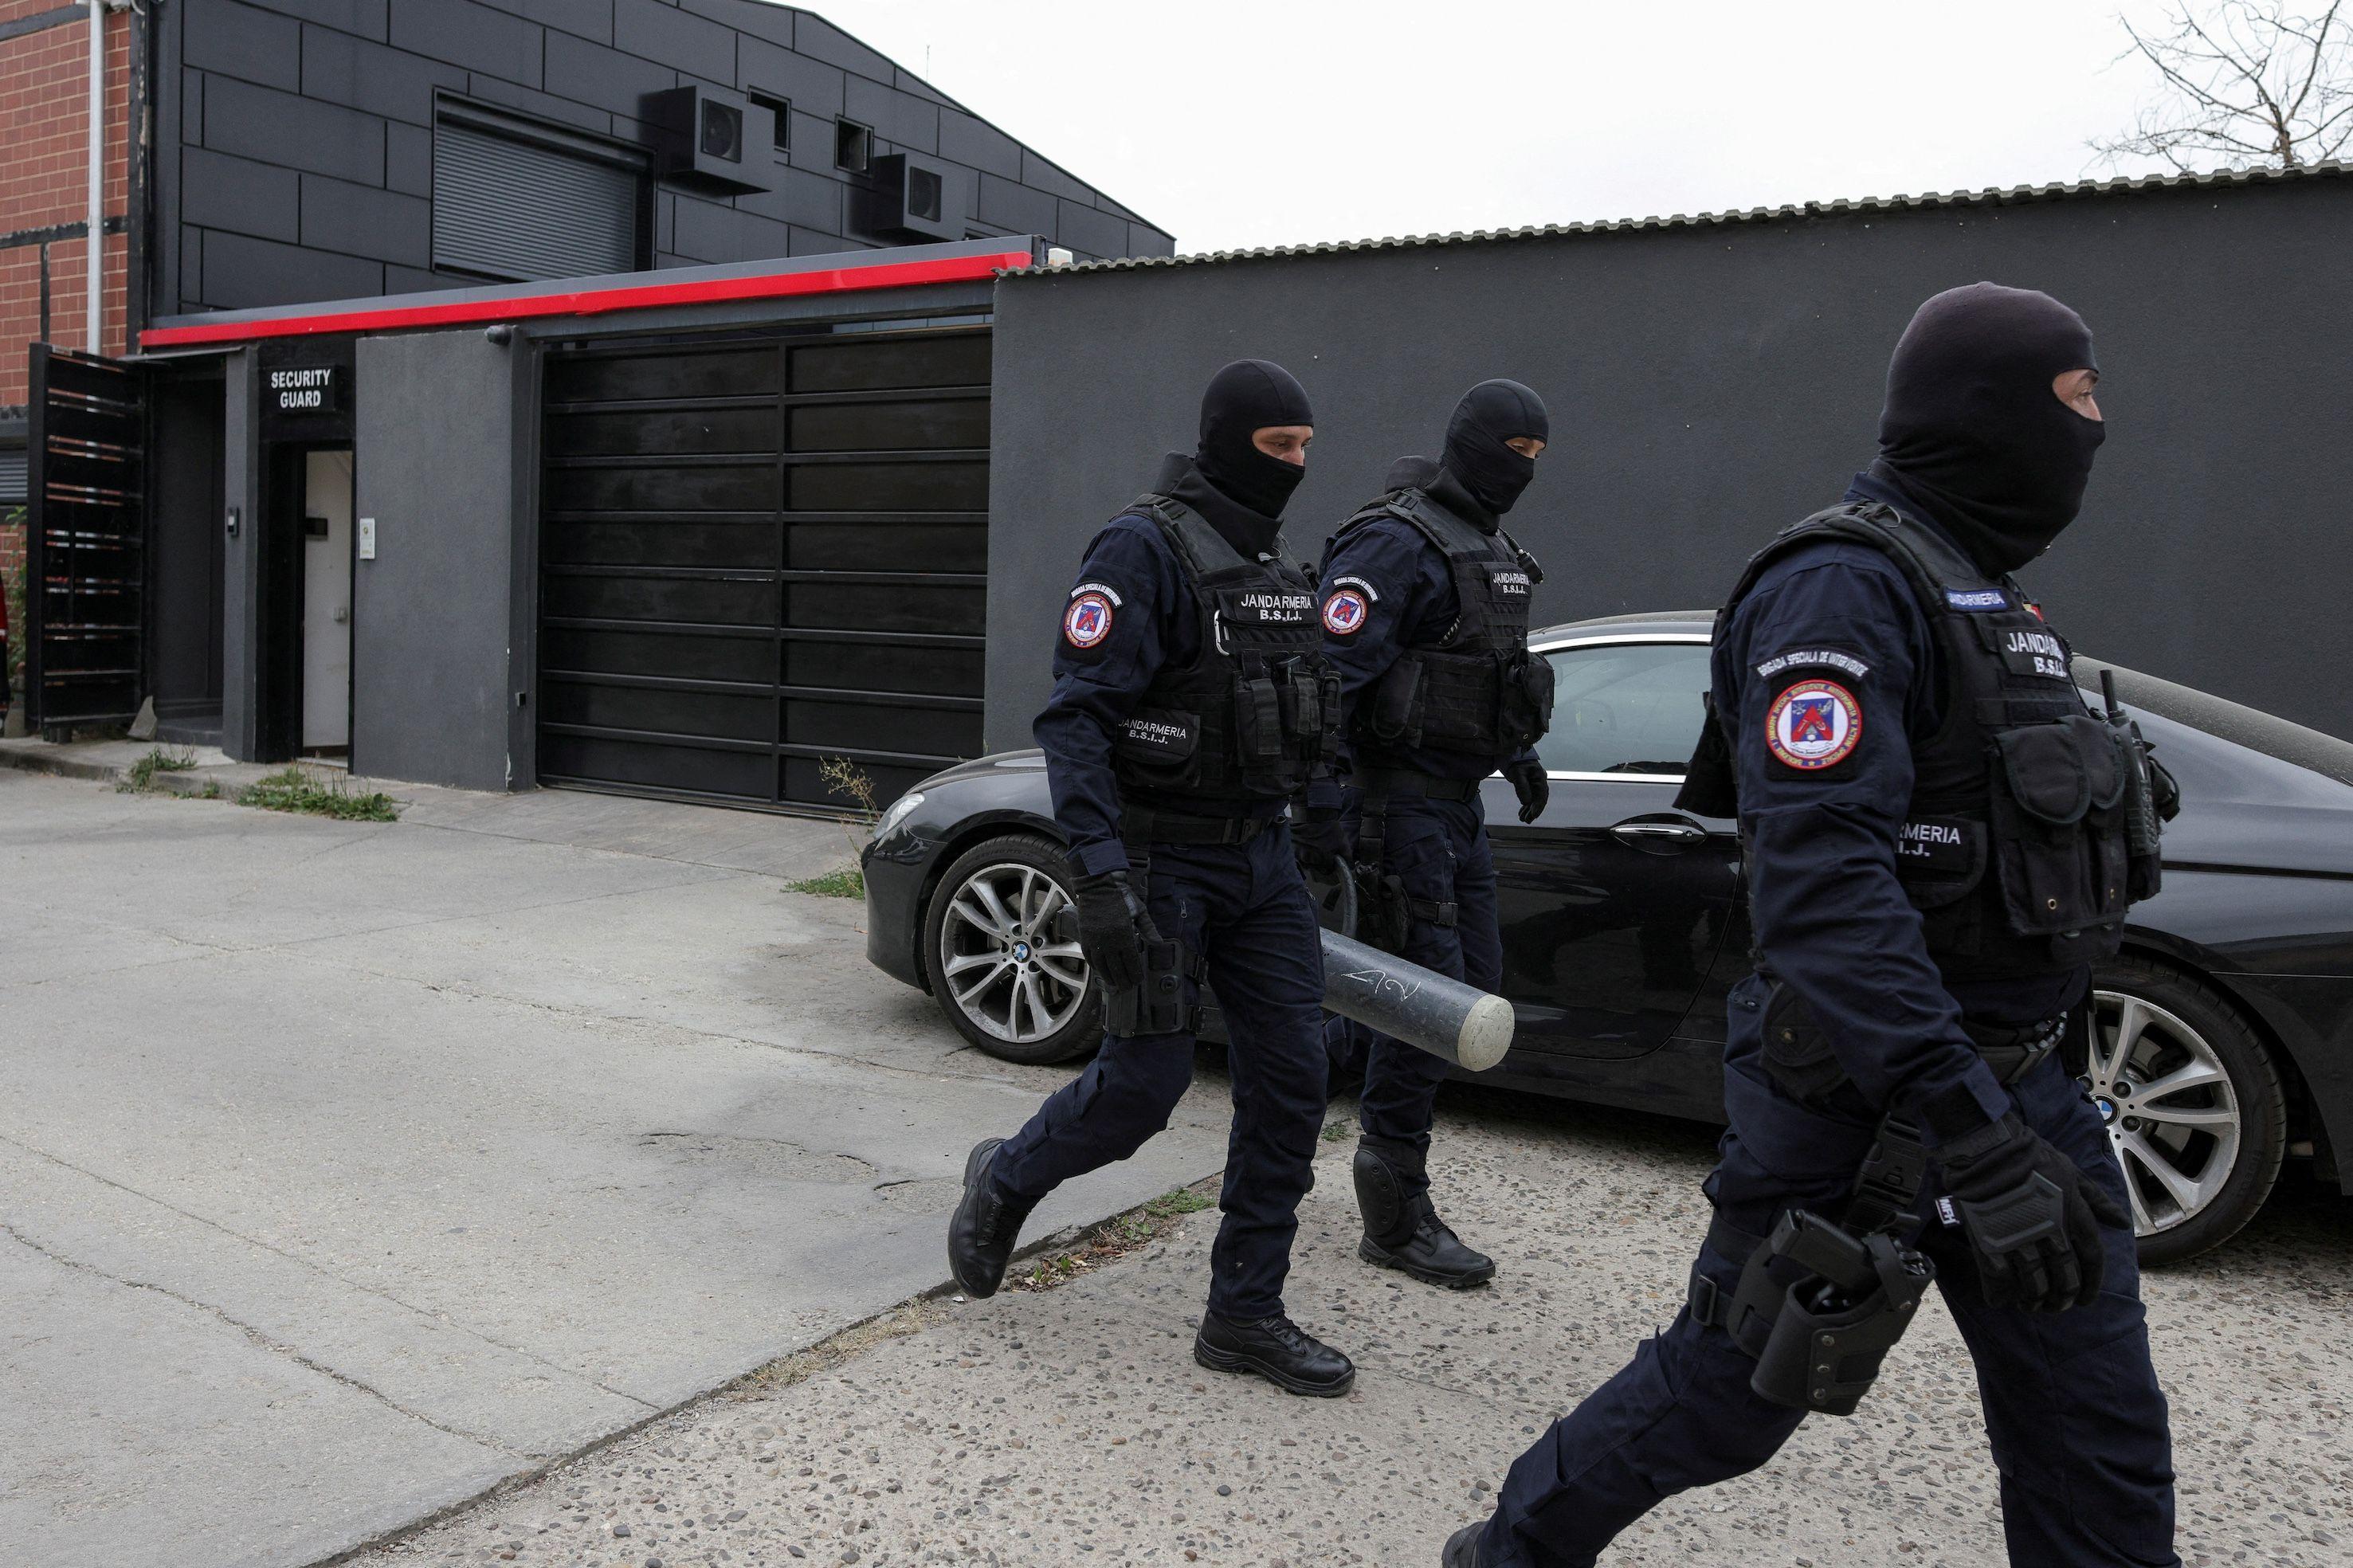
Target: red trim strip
x=593, y=302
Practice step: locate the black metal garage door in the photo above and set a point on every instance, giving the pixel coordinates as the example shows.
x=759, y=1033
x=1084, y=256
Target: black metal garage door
x=756, y=556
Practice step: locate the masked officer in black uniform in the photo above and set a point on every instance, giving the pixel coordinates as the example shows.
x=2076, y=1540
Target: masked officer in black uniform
x=1425, y=615
x=1940, y=838
x=1190, y=705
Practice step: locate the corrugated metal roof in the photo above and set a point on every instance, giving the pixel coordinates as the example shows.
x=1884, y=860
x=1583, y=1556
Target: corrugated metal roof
x=2016, y=195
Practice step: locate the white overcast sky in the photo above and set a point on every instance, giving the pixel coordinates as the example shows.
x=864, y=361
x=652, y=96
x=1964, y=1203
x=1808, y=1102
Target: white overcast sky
x=1281, y=121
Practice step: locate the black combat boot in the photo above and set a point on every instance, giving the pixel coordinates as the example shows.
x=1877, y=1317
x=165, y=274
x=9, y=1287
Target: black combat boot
x=1277, y=1350
x=1402, y=1230
x=986, y=1225
x=1462, y=1547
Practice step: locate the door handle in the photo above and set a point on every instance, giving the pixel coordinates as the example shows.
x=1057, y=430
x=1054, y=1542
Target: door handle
x=1659, y=835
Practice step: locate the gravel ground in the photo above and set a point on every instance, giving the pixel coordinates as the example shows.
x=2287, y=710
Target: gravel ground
x=1072, y=1426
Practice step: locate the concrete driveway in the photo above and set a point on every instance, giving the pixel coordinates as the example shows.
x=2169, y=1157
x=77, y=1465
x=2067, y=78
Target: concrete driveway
x=349, y=1169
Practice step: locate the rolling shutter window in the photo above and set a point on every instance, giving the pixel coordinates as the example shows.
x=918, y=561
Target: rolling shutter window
x=12, y=475
x=517, y=203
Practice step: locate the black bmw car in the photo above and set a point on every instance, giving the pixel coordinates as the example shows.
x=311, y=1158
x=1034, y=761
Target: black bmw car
x=2223, y=1037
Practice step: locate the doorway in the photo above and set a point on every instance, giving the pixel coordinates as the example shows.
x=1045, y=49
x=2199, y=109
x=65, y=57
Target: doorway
x=327, y=601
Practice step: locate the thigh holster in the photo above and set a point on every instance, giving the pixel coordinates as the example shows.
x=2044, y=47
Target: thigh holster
x=1384, y=910
x=1819, y=1304
x=1156, y=1004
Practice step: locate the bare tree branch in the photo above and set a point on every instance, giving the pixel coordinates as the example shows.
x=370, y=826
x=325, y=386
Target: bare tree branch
x=2243, y=83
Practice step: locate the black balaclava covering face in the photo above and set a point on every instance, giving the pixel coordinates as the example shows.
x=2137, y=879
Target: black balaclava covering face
x=1245, y=397
x=1490, y=414
x=1972, y=431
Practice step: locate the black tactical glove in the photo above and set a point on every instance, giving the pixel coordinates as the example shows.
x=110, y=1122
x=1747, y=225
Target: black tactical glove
x=1114, y=926
x=1319, y=842
x=1529, y=782
x=2031, y=1215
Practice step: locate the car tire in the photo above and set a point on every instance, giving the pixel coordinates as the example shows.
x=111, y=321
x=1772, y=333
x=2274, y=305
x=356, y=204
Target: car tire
x=2201, y=1158
x=1004, y=972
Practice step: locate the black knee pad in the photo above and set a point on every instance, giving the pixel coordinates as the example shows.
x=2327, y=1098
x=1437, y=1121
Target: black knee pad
x=1392, y=1189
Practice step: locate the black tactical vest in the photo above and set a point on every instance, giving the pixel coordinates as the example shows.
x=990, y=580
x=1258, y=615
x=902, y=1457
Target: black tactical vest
x=1255, y=710
x=2015, y=848
x=1476, y=689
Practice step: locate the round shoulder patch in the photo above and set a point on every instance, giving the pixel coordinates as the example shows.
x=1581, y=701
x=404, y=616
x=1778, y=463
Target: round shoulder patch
x=1087, y=621
x=1813, y=724
x=1343, y=612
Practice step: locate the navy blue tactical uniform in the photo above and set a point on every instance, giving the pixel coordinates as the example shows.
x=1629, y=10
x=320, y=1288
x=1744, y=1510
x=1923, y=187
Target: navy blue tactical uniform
x=1240, y=906
x=1393, y=597
x=1187, y=712
x=1903, y=979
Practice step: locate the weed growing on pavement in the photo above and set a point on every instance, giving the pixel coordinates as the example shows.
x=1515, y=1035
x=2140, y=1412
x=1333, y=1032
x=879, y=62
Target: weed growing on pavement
x=912, y=1318
x=1112, y=1240
x=845, y=778
x=1335, y=1132
x=849, y=882
x=317, y=794
x=140, y=777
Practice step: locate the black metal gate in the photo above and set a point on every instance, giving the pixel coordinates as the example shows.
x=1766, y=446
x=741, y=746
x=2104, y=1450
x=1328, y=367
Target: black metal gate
x=757, y=556
x=86, y=542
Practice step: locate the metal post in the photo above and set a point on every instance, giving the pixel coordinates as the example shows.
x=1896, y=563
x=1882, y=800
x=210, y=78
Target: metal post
x=95, y=241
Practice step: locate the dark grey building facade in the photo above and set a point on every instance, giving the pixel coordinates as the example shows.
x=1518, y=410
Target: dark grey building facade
x=310, y=150
x=1713, y=379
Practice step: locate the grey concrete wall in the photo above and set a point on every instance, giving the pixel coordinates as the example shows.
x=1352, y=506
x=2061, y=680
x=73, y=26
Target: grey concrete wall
x=1709, y=385
x=432, y=628
x=293, y=140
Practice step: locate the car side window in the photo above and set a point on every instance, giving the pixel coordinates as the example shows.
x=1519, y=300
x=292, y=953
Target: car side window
x=1625, y=708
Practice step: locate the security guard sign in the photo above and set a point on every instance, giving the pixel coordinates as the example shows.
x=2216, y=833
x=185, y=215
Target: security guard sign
x=1812, y=725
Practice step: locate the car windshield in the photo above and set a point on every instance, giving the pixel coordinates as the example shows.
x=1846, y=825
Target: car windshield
x=1628, y=708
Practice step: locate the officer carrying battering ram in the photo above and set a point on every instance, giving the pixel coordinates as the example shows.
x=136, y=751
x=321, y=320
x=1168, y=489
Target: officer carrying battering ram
x=1940, y=838
x=1425, y=612
x=1191, y=704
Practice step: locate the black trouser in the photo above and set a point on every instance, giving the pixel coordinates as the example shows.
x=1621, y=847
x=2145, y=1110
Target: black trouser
x=2071, y=1399
x=1243, y=909
x=1439, y=849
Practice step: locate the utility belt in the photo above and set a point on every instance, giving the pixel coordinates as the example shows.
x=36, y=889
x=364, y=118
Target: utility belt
x=1819, y=1303
x=1384, y=907
x=1141, y=826
x=2014, y=1053
x=1798, y=1055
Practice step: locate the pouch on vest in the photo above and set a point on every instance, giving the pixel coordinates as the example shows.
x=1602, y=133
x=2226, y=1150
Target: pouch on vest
x=2059, y=843
x=1527, y=701
x=1257, y=719
x=1939, y=860
x=1159, y=737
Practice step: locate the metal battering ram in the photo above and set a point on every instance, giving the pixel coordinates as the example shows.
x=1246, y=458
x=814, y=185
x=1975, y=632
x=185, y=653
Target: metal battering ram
x=1427, y=1010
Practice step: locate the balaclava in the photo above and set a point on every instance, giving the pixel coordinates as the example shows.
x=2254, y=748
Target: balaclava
x=1972, y=432
x=1490, y=414
x=1247, y=397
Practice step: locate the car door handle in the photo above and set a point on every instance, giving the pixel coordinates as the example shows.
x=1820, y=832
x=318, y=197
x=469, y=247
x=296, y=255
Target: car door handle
x=1655, y=834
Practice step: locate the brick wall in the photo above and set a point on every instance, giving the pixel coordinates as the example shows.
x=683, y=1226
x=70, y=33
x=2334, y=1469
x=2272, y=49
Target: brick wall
x=45, y=128
x=44, y=196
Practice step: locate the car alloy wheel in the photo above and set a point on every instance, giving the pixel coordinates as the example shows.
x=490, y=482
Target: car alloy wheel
x=2165, y=1097
x=1006, y=960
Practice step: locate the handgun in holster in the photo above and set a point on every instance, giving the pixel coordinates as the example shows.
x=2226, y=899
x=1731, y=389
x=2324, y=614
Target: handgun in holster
x=1156, y=1004
x=1820, y=1308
